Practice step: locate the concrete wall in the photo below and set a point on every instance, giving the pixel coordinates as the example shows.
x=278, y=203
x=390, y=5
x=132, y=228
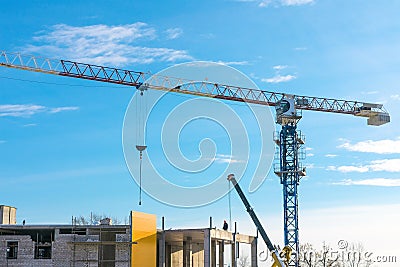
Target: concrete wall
x=176, y=256
x=8, y=215
x=198, y=255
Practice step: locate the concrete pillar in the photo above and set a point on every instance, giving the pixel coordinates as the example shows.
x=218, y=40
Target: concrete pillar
x=56, y=233
x=221, y=253
x=213, y=253
x=161, y=250
x=207, y=248
x=254, y=253
x=187, y=252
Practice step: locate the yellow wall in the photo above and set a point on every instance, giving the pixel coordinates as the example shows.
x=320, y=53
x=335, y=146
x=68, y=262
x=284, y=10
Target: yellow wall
x=144, y=232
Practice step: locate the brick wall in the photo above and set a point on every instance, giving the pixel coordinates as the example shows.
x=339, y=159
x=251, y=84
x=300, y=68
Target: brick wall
x=64, y=252
x=25, y=254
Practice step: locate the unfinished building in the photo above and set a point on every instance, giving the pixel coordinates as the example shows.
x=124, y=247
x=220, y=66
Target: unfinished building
x=111, y=246
x=64, y=245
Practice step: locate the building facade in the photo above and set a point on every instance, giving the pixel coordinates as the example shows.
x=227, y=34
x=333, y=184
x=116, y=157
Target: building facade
x=111, y=246
x=64, y=246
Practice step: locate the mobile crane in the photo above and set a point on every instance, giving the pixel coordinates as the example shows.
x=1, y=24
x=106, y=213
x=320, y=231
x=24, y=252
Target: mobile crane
x=287, y=107
x=278, y=261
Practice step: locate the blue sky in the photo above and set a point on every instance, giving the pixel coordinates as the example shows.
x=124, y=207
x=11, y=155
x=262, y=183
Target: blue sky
x=60, y=138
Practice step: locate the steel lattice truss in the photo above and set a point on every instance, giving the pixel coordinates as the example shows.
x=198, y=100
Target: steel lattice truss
x=290, y=172
x=144, y=80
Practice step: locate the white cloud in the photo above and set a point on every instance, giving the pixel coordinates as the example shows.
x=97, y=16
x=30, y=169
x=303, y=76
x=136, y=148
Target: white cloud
x=310, y=166
x=103, y=44
x=221, y=158
x=29, y=110
x=371, y=182
x=385, y=146
x=173, y=33
x=279, y=78
x=254, y=76
x=310, y=155
x=331, y=155
x=29, y=125
x=20, y=110
x=352, y=169
x=279, y=67
x=241, y=63
x=296, y=2
x=59, y=109
x=395, y=97
x=371, y=92
x=387, y=165
x=266, y=3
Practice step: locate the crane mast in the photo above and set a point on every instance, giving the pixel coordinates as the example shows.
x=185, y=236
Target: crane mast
x=287, y=114
x=290, y=171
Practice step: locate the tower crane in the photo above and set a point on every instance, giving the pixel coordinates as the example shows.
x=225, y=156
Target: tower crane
x=288, y=113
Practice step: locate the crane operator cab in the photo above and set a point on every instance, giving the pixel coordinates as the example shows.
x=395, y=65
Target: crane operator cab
x=286, y=110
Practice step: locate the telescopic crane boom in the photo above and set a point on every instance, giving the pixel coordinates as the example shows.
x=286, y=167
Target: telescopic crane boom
x=274, y=252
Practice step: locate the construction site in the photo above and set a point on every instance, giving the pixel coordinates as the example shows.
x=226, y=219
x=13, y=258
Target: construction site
x=230, y=133
x=106, y=245
x=140, y=243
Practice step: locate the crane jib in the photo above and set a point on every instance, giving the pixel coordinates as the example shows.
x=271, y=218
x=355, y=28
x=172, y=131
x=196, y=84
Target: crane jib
x=375, y=113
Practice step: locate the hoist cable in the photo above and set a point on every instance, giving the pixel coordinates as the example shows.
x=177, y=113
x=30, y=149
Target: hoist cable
x=140, y=179
x=230, y=206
